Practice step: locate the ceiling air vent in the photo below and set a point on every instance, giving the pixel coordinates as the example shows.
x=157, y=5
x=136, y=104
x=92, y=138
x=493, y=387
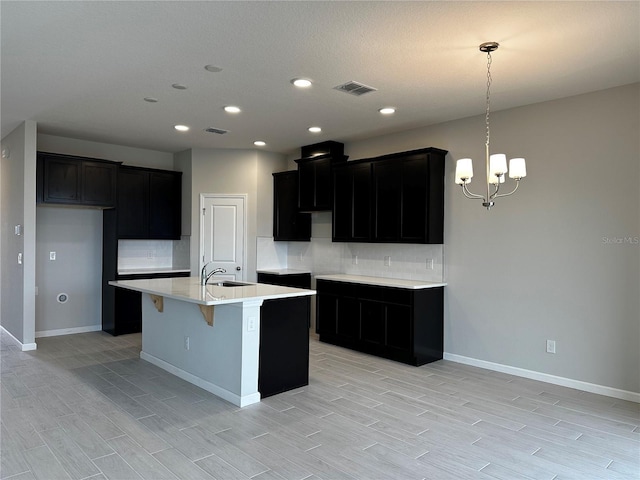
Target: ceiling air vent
x=219, y=131
x=355, y=88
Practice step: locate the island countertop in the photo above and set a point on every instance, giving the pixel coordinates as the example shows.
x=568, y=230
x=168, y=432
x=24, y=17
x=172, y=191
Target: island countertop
x=188, y=289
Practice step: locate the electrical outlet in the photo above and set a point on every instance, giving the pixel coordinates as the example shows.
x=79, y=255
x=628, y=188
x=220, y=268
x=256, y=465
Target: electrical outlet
x=354, y=259
x=429, y=263
x=551, y=346
x=387, y=261
x=19, y=258
x=52, y=255
x=187, y=343
x=150, y=254
x=251, y=324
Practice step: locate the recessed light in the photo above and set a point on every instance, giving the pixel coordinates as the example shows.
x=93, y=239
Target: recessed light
x=179, y=86
x=232, y=109
x=314, y=129
x=181, y=128
x=212, y=68
x=387, y=110
x=301, y=82
x=259, y=143
x=151, y=99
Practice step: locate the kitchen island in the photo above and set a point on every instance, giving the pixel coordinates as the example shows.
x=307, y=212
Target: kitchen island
x=210, y=335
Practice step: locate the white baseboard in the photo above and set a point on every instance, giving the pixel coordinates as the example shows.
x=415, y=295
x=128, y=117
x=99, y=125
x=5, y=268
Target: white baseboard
x=25, y=347
x=545, y=377
x=208, y=386
x=68, y=331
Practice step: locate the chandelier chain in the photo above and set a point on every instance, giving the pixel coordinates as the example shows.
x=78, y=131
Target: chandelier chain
x=488, y=96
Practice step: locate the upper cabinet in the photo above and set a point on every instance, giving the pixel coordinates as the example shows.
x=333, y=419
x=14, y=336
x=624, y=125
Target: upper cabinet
x=78, y=181
x=352, y=202
x=315, y=182
x=149, y=204
x=288, y=223
x=397, y=198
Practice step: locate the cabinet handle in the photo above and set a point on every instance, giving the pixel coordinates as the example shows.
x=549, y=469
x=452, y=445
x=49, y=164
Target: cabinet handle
x=238, y=268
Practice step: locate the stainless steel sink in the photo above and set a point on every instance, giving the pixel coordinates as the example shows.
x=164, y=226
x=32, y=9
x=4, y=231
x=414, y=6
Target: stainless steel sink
x=229, y=283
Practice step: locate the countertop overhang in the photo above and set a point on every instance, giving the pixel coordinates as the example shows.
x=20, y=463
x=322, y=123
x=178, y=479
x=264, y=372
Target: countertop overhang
x=385, y=282
x=188, y=289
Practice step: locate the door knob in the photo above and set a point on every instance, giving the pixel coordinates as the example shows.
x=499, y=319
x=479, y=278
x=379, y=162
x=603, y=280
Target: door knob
x=238, y=268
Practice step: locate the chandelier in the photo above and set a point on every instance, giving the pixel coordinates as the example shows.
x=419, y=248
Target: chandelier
x=496, y=164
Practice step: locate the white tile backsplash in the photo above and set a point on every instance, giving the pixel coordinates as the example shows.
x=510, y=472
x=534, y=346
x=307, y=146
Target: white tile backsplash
x=322, y=256
x=134, y=254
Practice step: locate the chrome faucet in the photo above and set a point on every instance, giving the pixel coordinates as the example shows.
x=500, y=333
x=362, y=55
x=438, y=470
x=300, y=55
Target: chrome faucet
x=204, y=277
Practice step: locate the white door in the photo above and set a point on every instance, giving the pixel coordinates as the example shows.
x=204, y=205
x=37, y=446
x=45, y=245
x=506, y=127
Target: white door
x=222, y=234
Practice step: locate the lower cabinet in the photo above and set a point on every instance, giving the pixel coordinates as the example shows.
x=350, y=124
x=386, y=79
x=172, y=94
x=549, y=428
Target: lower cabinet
x=122, y=308
x=284, y=345
x=400, y=324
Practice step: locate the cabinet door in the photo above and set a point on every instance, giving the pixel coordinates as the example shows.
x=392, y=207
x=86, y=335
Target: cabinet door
x=373, y=322
x=99, y=184
x=288, y=223
x=165, y=198
x=315, y=184
x=348, y=318
x=352, y=203
x=62, y=180
x=326, y=314
x=399, y=328
x=133, y=203
x=414, y=200
x=387, y=179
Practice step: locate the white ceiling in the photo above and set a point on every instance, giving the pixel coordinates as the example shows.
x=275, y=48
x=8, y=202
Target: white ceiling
x=81, y=69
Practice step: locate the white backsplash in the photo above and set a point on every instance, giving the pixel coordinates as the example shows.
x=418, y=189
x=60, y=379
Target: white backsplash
x=322, y=256
x=134, y=254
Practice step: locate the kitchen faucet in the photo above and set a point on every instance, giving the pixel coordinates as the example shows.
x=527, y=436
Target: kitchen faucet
x=204, y=277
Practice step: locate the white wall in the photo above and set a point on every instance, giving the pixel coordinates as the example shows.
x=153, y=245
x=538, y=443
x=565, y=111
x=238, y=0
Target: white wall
x=18, y=207
x=137, y=157
x=543, y=264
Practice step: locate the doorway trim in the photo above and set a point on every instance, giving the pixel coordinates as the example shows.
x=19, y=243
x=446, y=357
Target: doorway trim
x=203, y=199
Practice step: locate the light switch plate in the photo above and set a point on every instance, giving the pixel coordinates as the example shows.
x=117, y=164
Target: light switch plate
x=20, y=258
x=52, y=255
x=17, y=230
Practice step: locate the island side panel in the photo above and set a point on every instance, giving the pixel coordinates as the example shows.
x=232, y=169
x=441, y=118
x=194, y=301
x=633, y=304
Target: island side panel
x=222, y=359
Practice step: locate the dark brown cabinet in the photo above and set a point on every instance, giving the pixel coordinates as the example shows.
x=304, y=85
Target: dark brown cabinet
x=314, y=183
x=401, y=324
x=397, y=198
x=288, y=223
x=149, y=204
x=315, y=180
x=284, y=345
x=408, y=197
x=124, y=313
x=77, y=181
x=294, y=280
x=352, y=202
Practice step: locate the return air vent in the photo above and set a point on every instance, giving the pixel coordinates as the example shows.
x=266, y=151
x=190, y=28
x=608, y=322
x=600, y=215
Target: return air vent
x=219, y=131
x=355, y=88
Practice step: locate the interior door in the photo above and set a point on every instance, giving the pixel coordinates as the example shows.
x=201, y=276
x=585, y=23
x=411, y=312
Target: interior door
x=222, y=234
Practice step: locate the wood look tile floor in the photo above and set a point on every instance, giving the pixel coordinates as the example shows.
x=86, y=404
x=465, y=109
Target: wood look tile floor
x=86, y=407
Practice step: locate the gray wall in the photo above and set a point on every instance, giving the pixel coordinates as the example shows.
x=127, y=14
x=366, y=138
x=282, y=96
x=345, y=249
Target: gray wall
x=75, y=234
x=18, y=207
x=544, y=263
x=233, y=172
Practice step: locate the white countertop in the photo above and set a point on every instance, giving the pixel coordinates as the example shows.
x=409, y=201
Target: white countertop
x=188, y=289
x=284, y=271
x=385, y=282
x=149, y=270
